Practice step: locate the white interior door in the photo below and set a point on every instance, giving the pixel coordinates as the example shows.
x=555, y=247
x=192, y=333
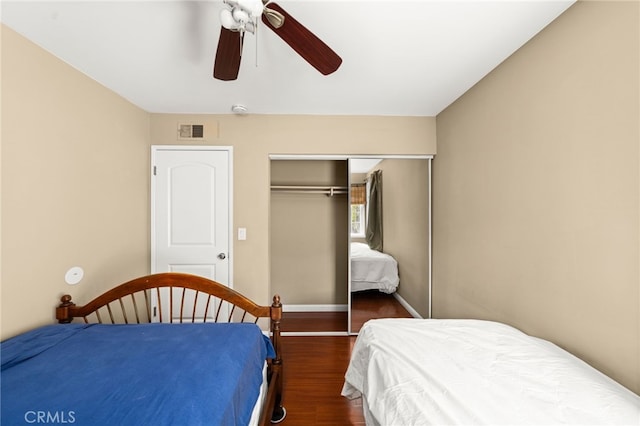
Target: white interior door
x=190, y=195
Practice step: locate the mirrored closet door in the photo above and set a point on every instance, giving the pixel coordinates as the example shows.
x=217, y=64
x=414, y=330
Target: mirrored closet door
x=349, y=240
x=390, y=241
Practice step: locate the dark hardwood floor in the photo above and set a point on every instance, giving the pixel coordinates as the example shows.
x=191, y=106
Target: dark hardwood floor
x=314, y=366
x=365, y=305
x=314, y=321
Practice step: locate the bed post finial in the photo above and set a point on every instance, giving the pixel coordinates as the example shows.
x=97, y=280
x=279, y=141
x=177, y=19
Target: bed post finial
x=276, y=364
x=276, y=316
x=62, y=311
x=276, y=309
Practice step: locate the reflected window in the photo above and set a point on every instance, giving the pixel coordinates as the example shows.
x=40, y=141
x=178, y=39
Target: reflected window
x=357, y=220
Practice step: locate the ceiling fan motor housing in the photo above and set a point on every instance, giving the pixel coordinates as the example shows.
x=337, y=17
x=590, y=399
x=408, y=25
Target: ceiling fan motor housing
x=241, y=15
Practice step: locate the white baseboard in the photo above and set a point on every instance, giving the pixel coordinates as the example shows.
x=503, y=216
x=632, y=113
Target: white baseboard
x=407, y=306
x=314, y=308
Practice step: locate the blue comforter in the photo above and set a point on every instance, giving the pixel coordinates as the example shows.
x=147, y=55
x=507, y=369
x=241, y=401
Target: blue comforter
x=148, y=374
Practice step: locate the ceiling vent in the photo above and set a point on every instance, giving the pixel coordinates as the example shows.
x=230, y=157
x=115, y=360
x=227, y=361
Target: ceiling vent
x=190, y=131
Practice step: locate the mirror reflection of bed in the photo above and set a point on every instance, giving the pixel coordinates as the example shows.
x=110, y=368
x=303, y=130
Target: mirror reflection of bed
x=392, y=279
x=374, y=279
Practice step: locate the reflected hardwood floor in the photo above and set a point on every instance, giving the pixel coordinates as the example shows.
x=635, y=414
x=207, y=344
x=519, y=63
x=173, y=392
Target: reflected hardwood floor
x=366, y=305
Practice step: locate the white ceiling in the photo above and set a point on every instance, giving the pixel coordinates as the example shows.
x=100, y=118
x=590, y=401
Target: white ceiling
x=363, y=165
x=400, y=57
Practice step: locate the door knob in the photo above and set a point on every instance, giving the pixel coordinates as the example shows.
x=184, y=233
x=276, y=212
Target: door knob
x=222, y=256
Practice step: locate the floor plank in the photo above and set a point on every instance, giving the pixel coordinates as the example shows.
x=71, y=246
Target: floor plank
x=314, y=369
x=366, y=305
x=314, y=366
x=314, y=321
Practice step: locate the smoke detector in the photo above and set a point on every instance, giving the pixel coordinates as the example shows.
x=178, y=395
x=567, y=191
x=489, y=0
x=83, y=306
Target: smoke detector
x=239, y=109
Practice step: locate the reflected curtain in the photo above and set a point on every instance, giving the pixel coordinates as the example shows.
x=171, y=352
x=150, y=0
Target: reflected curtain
x=374, y=212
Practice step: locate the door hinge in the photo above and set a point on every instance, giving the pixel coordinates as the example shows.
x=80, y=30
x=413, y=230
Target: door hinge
x=154, y=170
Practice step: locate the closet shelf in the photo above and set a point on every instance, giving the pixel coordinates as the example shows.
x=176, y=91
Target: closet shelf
x=306, y=189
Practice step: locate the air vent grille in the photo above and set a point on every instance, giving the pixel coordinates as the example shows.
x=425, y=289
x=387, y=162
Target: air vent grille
x=190, y=131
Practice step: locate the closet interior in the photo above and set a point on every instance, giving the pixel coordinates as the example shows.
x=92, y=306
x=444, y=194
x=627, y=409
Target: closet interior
x=309, y=238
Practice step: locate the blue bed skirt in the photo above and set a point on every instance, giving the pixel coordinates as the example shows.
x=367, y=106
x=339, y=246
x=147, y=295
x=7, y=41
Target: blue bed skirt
x=147, y=374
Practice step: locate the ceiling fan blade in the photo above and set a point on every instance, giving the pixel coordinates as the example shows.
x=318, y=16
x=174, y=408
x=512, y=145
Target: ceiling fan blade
x=304, y=42
x=227, y=62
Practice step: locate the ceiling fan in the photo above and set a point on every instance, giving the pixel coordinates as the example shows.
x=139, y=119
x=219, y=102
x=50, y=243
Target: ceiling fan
x=240, y=16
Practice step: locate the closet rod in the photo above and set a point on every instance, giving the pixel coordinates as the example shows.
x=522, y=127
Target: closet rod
x=329, y=190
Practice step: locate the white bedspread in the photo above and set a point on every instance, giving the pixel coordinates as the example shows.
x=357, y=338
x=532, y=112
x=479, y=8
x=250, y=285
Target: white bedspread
x=469, y=372
x=373, y=270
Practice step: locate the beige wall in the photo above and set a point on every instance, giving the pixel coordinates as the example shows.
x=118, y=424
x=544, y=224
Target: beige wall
x=536, y=191
x=1, y=310
x=255, y=137
x=405, y=198
x=74, y=185
x=75, y=179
